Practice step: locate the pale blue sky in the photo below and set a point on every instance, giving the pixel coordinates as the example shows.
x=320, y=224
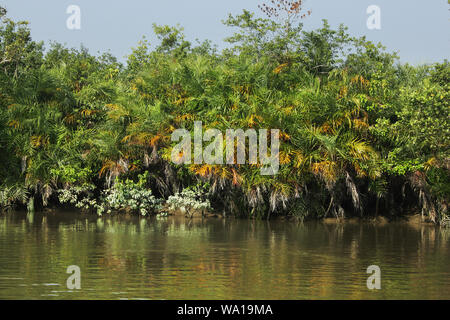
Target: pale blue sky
x=418, y=29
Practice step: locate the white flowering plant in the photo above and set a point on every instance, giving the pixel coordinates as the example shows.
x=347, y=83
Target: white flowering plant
x=129, y=196
x=81, y=197
x=190, y=200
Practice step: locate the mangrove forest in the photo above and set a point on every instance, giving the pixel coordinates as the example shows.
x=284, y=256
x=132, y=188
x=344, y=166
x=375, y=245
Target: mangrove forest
x=360, y=133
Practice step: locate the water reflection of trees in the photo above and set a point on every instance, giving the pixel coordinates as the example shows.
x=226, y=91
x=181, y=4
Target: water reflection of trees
x=178, y=258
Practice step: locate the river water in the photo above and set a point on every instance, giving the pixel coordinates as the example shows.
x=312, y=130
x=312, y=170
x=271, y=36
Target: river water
x=174, y=258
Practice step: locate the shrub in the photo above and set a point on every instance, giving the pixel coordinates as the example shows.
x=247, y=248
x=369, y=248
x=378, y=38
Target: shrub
x=190, y=200
x=129, y=196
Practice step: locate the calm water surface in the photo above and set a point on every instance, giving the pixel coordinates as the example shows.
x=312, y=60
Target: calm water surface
x=174, y=258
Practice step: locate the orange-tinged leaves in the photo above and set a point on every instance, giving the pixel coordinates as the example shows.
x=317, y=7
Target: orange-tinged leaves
x=181, y=101
x=38, y=141
x=14, y=123
x=184, y=117
x=222, y=172
x=88, y=112
x=284, y=157
x=154, y=140
x=111, y=166
x=360, y=124
x=343, y=92
x=278, y=69
x=126, y=138
x=326, y=128
x=360, y=81
x=432, y=162
x=284, y=136
x=299, y=159
x=69, y=119
x=326, y=169
x=253, y=120
x=203, y=170
x=237, y=179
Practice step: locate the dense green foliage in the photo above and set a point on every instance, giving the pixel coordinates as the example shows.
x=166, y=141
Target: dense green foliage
x=360, y=133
